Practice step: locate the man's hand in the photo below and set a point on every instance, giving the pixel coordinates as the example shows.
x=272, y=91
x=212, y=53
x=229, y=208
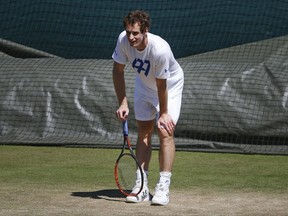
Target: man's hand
x=122, y=112
x=165, y=122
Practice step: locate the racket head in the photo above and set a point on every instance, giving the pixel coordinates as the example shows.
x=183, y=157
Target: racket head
x=125, y=174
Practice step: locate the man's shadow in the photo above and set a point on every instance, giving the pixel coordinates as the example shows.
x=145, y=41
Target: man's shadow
x=107, y=194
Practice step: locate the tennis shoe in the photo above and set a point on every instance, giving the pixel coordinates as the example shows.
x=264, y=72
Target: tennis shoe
x=142, y=196
x=161, y=196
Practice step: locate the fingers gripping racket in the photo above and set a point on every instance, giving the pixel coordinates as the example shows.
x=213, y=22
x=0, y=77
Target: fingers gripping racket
x=126, y=166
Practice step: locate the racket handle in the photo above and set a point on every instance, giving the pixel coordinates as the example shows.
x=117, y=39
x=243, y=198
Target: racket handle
x=125, y=127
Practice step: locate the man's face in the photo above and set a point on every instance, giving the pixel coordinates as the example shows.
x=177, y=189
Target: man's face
x=136, y=39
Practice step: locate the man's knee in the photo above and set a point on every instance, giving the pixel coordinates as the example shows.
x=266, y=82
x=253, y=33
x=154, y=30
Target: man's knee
x=164, y=136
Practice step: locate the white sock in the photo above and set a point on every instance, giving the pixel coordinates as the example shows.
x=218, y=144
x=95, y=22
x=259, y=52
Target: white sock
x=165, y=177
x=145, y=176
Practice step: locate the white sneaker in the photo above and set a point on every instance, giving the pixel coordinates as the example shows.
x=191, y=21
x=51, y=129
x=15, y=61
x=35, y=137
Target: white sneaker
x=142, y=196
x=161, y=196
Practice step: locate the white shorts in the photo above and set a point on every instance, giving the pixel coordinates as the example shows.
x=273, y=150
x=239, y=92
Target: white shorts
x=147, y=108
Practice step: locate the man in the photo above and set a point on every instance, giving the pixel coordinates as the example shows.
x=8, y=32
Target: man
x=157, y=96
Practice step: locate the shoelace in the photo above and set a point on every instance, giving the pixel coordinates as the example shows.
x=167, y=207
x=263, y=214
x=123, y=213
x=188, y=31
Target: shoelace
x=160, y=188
x=138, y=185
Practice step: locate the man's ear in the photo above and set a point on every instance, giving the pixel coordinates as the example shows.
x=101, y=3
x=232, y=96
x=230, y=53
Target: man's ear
x=146, y=31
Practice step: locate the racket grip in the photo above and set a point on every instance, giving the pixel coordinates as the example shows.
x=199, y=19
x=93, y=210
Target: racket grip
x=125, y=127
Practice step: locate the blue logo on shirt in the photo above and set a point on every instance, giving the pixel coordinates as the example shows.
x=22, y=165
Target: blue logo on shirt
x=141, y=65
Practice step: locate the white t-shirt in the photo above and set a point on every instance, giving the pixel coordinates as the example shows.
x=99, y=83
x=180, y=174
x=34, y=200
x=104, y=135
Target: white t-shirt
x=155, y=61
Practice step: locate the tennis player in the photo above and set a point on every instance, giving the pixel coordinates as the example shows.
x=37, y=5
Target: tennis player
x=157, y=97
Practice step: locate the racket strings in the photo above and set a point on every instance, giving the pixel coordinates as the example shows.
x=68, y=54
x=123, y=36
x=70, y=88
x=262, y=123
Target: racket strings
x=127, y=173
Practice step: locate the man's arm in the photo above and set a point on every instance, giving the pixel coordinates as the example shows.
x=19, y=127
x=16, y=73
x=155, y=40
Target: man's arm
x=120, y=90
x=162, y=95
x=165, y=119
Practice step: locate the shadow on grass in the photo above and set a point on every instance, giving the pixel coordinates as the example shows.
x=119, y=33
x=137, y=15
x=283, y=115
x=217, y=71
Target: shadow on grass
x=108, y=194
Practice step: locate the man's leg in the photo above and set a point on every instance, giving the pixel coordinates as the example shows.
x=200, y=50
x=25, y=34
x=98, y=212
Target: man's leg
x=144, y=148
x=143, y=154
x=166, y=151
x=166, y=160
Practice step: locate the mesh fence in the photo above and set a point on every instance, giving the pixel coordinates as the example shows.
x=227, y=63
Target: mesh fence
x=56, y=86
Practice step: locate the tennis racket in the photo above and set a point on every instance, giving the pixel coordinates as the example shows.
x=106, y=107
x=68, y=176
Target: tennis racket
x=126, y=166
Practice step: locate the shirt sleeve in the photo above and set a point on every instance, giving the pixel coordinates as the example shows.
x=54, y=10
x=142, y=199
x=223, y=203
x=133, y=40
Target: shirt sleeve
x=119, y=54
x=162, y=67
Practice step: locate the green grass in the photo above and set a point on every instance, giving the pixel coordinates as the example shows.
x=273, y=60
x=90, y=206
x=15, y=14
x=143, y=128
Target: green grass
x=52, y=166
x=57, y=167
x=232, y=172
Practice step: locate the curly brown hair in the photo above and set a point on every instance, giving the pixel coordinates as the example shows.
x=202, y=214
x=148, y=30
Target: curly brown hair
x=137, y=16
